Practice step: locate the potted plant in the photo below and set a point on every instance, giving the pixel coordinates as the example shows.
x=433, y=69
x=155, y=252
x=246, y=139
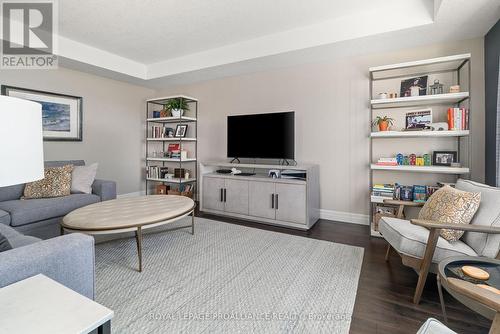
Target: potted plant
x=383, y=123
x=177, y=106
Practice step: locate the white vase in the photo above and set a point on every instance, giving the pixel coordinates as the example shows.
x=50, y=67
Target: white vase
x=177, y=112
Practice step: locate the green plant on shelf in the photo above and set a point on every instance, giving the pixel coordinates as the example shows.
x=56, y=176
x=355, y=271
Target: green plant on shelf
x=177, y=104
x=383, y=122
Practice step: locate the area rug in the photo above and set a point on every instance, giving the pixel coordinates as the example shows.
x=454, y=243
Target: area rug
x=228, y=279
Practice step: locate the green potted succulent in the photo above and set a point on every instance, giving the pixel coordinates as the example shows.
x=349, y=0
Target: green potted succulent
x=383, y=123
x=177, y=106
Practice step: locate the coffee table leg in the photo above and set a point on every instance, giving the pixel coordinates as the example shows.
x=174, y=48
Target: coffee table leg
x=192, y=222
x=138, y=238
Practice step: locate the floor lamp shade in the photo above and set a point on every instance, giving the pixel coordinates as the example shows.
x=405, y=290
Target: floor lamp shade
x=21, y=141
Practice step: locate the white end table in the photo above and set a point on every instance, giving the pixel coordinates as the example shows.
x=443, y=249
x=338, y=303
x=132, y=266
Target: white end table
x=41, y=305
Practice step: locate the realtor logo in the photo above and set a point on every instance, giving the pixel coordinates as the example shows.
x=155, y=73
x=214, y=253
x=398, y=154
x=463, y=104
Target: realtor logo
x=28, y=34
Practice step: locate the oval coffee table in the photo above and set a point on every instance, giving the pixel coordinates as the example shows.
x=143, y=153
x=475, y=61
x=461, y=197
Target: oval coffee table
x=129, y=214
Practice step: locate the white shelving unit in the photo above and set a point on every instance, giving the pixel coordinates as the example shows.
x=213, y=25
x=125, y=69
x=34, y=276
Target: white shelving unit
x=455, y=68
x=190, y=118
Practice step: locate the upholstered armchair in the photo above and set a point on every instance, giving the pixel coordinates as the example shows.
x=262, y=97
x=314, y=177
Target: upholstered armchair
x=421, y=248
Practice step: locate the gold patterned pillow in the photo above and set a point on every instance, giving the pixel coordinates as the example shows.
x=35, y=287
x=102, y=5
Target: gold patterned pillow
x=451, y=206
x=56, y=183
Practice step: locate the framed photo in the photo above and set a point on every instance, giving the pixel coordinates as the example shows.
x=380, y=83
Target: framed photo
x=414, y=87
x=444, y=158
x=61, y=114
x=181, y=130
x=418, y=119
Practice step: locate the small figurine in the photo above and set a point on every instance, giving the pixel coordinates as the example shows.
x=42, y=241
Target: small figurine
x=406, y=160
x=419, y=161
x=399, y=158
x=413, y=159
x=427, y=160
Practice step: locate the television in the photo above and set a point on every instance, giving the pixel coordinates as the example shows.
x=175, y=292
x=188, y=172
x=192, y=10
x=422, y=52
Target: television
x=264, y=136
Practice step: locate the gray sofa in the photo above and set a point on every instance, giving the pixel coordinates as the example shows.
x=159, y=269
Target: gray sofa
x=41, y=217
x=67, y=259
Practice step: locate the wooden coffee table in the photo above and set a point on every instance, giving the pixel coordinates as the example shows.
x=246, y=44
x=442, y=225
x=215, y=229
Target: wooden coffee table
x=130, y=214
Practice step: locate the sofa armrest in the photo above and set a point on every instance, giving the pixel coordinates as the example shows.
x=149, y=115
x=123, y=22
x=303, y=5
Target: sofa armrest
x=68, y=259
x=106, y=190
x=462, y=227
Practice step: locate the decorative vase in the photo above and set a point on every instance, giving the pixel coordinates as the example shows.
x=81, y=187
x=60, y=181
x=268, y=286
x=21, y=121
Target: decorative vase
x=177, y=112
x=164, y=113
x=383, y=126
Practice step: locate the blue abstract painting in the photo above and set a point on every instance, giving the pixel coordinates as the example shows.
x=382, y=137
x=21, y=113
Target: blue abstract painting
x=55, y=116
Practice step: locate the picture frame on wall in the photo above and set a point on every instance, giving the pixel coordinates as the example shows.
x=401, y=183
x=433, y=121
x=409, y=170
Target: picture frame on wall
x=62, y=115
x=444, y=158
x=181, y=130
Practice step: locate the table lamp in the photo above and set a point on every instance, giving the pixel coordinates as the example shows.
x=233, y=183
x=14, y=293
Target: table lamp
x=21, y=141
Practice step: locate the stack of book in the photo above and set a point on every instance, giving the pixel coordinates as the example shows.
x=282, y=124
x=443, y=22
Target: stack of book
x=387, y=162
x=156, y=172
x=458, y=119
x=161, y=132
x=383, y=190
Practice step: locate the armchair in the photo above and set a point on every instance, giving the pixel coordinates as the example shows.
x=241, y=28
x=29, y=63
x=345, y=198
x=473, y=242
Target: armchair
x=421, y=248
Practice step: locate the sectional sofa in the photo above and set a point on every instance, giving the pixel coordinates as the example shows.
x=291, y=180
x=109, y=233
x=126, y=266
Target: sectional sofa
x=40, y=217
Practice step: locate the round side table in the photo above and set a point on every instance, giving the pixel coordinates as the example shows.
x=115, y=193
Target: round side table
x=451, y=277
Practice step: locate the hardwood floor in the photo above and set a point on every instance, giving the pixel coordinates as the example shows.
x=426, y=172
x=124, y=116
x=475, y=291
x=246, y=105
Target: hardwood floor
x=385, y=291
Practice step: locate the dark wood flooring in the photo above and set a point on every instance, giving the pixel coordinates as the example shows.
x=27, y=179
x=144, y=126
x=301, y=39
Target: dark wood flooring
x=385, y=291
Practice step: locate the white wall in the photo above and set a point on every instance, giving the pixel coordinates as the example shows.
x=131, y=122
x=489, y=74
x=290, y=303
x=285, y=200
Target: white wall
x=113, y=115
x=332, y=115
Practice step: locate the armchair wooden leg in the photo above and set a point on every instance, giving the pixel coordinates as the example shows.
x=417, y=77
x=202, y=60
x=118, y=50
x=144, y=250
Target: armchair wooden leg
x=495, y=325
x=426, y=263
x=388, y=252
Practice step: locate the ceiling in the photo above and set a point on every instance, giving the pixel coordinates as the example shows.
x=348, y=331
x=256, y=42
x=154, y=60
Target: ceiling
x=160, y=42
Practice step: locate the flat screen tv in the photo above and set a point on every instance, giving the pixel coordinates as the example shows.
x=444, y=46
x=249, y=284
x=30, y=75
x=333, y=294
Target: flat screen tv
x=265, y=136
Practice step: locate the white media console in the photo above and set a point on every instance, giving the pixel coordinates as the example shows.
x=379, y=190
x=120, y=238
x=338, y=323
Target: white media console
x=277, y=201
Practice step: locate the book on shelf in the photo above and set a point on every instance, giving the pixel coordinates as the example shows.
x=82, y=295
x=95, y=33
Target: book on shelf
x=156, y=172
x=161, y=132
x=387, y=162
x=458, y=118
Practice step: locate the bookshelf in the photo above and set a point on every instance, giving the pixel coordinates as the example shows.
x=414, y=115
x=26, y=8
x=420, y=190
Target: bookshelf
x=156, y=148
x=450, y=70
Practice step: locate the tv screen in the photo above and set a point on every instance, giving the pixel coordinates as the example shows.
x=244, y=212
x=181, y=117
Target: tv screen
x=265, y=136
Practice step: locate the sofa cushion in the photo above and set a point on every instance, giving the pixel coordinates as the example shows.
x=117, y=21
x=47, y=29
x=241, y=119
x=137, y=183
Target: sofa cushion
x=488, y=214
x=15, y=238
x=11, y=192
x=27, y=211
x=56, y=183
x=411, y=240
x=82, y=179
x=4, y=217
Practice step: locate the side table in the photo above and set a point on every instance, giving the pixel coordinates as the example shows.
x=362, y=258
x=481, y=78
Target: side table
x=41, y=305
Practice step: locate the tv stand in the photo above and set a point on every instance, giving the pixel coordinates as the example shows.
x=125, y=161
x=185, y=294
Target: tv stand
x=286, y=201
x=235, y=159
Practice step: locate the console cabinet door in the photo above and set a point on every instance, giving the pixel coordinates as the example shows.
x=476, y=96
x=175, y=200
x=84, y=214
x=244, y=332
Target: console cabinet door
x=236, y=196
x=291, y=203
x=212, y=188
x=261, y=200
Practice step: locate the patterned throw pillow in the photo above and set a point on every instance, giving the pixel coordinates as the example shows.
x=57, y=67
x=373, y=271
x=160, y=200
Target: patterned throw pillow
x=451, y=206
x=56, y=183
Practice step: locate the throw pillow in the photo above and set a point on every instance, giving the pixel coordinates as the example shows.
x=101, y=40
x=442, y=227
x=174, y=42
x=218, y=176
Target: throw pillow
x=82, y=179
x=4, y=243
x=451, y=206
x=56, y=183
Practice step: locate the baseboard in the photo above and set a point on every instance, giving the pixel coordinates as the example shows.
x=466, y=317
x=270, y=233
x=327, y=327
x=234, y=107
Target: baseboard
x=134, y=194
x=344, y=217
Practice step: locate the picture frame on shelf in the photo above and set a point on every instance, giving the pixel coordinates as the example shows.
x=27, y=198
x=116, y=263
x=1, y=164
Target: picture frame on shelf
x=444, y=158
x=62, y=115
x=418, y=119
x=416, y=86
x=181, y=130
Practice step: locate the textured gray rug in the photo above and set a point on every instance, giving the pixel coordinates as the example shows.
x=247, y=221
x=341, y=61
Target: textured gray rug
x=228, y=279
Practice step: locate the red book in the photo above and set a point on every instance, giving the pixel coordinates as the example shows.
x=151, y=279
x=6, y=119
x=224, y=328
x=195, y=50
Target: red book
x=463, y=118
x=451, y=121
x=174, y=147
